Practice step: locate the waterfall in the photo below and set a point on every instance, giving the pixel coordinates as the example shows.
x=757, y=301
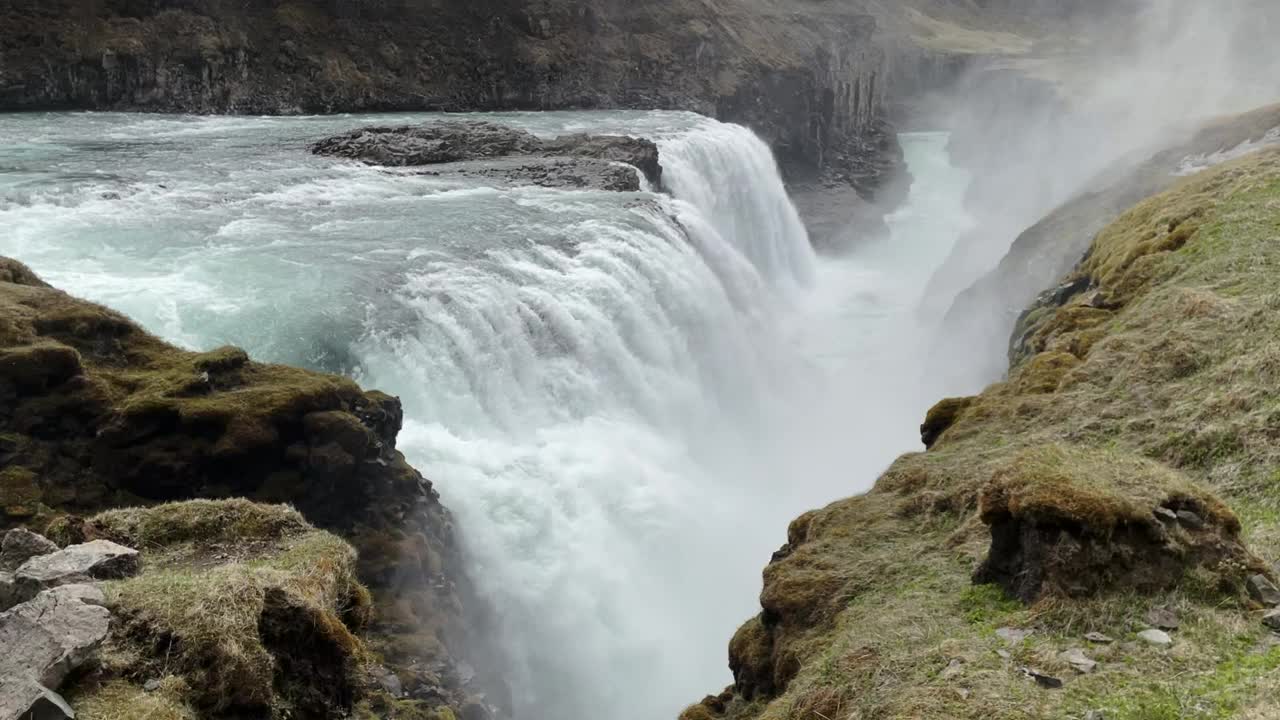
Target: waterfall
x=623, y=397
x=583, y=404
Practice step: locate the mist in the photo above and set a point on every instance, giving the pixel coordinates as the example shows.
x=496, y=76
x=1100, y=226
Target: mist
x=1094, y=99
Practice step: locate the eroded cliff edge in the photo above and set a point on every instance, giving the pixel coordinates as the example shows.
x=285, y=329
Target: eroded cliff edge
x=95, y=414
x=1090, y=537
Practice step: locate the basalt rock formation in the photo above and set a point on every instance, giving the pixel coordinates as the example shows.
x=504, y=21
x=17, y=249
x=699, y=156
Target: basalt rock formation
x=810, y=78
x=95, y=413
x=508, y=154
x=1115, y=481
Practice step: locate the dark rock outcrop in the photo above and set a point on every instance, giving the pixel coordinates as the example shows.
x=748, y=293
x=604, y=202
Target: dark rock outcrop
x=513, y=155
x=1055, y=530
x=95, y=413
x=809, y=77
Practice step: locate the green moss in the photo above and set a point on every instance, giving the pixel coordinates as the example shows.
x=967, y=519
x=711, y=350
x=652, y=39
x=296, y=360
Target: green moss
x=20, y=493
x=986, y=605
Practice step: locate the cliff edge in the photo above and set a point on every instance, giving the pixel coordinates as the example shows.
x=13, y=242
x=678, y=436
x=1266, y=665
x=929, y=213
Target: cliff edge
x=1091, y=537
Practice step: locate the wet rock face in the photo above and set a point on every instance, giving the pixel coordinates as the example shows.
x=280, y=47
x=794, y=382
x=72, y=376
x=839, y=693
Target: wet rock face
x=510, y=155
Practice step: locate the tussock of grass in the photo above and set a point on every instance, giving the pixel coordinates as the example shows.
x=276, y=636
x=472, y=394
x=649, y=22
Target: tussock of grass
x=1157, y=386
x=204, y=521
x=1100, y=489
x=120, y=700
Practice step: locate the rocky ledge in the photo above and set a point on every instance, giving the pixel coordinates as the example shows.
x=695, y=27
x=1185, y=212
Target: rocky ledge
x=1092, y=537
x=509, y=155
x=97, y=414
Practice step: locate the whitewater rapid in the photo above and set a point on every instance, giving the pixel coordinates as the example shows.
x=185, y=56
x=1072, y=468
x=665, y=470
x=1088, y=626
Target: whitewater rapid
x=623, y=397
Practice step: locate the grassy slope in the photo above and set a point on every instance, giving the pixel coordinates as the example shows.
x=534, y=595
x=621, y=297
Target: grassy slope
x=1171, y=389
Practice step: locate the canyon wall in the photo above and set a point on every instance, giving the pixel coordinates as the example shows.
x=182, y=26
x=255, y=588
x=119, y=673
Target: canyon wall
x=807, y=76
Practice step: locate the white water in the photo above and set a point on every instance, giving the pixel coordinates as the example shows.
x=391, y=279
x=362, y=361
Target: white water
x=624, y=397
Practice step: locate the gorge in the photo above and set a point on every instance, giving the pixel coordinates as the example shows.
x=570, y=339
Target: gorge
x=643, y=285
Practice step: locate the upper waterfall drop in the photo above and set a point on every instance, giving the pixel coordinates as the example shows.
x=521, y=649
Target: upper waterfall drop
x=730, y=175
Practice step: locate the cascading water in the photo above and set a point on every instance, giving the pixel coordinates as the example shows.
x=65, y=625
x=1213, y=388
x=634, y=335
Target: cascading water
x=588, y=402
x=624, y=397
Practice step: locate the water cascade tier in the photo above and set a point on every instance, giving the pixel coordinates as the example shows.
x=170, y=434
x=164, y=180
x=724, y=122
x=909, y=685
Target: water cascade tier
x=623, y=397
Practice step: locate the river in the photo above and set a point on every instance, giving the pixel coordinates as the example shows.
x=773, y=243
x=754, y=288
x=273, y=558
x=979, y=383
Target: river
x=624, y=397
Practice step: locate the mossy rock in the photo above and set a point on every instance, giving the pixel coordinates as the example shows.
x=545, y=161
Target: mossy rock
x=249, y=603
x=941, y=417
x=1074, y=522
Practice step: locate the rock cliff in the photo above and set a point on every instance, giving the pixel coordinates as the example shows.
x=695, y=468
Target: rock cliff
x=96, y=414
x=808, y=76
x=1091, y=536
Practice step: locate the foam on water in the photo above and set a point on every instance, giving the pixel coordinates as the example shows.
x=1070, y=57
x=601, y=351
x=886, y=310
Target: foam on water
x=624, y=397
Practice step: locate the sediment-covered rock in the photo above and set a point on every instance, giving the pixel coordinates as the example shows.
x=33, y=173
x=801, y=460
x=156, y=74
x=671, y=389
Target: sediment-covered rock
x=95, y=413
x=1073, y=523
x=566, y=161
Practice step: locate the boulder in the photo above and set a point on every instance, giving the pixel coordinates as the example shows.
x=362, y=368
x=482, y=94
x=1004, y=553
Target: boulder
x=47, y=637
x=20, y=545
x=1272, y=619
x=96, y=560
x=10, y=595
x=25, y=699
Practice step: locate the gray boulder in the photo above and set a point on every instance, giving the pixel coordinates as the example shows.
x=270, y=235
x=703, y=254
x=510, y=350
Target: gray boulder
x=47, y=637
x=25, y=699
x=96, y=560
x=20, y=545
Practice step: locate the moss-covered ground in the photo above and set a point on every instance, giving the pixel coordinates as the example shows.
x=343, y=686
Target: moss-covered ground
x=1161, y=382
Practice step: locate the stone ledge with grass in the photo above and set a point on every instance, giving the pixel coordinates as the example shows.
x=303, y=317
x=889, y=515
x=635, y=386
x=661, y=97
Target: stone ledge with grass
x=96, y=414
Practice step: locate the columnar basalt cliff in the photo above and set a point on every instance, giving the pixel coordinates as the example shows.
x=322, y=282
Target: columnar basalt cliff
x=95, y=413
x=807, y=76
